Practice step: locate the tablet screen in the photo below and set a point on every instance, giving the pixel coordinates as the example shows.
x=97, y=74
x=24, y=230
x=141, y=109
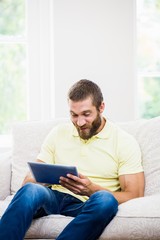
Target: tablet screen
x=50, y=173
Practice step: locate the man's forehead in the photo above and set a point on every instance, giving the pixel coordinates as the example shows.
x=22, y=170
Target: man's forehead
x=86, y=101
x=83, y=105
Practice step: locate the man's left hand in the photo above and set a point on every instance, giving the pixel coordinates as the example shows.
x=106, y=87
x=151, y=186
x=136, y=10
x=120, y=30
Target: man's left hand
x=80, y=185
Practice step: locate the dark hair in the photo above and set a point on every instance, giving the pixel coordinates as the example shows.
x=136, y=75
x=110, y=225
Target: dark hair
x=85, y=88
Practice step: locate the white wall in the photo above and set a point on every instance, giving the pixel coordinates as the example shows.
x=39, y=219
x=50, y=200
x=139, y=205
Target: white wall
x=95, y=39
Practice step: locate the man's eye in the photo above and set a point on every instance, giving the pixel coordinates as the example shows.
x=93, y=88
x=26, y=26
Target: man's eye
x=73, y=115
x=86, y=114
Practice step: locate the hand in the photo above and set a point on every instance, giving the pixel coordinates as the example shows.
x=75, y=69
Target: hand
x=79, y=185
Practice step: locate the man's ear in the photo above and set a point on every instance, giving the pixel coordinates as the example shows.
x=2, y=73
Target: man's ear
x=102, y=107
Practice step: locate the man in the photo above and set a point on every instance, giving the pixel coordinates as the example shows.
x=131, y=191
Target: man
x=109, y=165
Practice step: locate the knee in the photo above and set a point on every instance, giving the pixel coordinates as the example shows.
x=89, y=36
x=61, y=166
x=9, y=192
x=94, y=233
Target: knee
x=31, y=194
x=29, y=187
x=105, y=203
x=30, y=190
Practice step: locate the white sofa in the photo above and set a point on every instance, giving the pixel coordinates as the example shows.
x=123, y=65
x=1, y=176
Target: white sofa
x=136, y=219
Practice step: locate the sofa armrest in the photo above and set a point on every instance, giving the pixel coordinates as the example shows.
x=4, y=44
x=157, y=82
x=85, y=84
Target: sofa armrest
x=5, y=174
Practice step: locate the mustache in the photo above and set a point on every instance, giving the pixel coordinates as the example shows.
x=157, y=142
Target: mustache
x=80, y=128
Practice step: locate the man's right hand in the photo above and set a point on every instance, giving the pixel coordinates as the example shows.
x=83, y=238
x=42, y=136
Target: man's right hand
x=29, y=177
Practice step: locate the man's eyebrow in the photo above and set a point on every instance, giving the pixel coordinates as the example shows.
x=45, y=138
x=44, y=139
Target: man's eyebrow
x=73, y=112
x=85, y=111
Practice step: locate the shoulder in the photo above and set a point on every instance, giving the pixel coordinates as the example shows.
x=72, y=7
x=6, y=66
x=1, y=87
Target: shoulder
x=61, y=129
x=58, y=133
x=123, y=138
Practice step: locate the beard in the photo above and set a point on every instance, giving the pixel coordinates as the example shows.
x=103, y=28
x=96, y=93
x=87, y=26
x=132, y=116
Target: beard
x=89, y=130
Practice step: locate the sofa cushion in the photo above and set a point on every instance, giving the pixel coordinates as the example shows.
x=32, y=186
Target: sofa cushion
x=48, y=227
x=5, y=173
x=144, y=207
x=4, y=204
x=137, y=217
x=147, y=133
x=122, y=228
x=27, y=140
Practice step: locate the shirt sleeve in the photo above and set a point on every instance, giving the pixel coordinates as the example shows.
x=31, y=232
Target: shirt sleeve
x=130, y=159
x=47, y=152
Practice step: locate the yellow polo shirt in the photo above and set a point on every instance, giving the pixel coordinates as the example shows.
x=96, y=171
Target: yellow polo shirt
x=102, y=158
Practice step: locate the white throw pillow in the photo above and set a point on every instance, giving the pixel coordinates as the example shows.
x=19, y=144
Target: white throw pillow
x=27, y=140
x=147, y=133
x=5, y=174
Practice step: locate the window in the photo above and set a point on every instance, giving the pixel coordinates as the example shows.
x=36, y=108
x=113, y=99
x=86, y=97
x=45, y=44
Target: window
x=148, y=57
x=12, y=63
x=26, y=63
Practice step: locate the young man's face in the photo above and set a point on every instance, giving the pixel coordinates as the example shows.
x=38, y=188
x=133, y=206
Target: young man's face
x=86, y=118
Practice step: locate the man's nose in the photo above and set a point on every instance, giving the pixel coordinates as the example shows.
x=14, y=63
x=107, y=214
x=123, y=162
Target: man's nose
x=81, y=121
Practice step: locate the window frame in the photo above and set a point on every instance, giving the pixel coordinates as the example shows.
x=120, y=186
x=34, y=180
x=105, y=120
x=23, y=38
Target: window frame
x=40, y=59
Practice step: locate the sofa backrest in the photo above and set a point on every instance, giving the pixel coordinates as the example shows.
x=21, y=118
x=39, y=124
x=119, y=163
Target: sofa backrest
x=147, y=133
x=28, y=138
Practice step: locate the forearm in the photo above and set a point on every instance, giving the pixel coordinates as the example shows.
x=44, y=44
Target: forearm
x=120, y=196
x=28, y=178
x=132, y=186
x=125, y=196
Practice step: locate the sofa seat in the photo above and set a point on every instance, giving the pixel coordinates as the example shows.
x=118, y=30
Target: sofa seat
x=137, y=217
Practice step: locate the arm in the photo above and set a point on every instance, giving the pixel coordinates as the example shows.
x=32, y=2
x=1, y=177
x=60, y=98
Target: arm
x=132, y=186
x=29, y=177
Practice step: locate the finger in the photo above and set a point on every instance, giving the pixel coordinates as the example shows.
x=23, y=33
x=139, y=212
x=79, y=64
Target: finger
x=70, y=187
x=68, y=181
x=74, y=178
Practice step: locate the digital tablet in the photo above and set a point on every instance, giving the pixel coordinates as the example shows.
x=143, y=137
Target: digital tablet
x=50, y=173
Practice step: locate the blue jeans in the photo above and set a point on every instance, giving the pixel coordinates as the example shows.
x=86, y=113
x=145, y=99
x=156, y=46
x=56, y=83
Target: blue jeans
x=34, y=201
